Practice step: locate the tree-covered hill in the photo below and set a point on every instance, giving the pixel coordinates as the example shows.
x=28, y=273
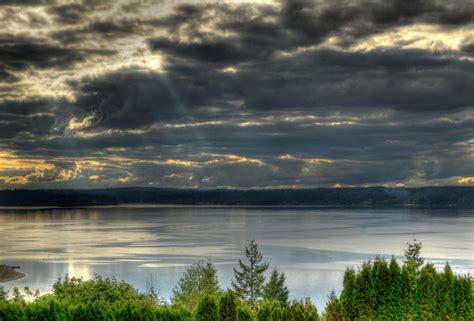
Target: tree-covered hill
x=431, y=197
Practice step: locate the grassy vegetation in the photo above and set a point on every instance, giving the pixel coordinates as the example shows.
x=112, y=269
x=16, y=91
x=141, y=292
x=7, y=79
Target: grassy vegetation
x=378, y=290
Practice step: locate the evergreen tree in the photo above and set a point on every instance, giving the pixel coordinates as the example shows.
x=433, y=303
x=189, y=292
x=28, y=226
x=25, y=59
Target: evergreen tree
x=408, y=289
x=364, y=298
x=228, y=307
x=347, y=294
x=244, y=314
x=310, y=311
x=464, y=298
x=412, y=254
x=334, y=309
x=446, y=285
x=427, y=294
x=249, y=281
x=207, y=310
x=278, y=313
x=264, y=311
x=198, y=281
x=395, y=302
x=276, y=289
x=381, y=279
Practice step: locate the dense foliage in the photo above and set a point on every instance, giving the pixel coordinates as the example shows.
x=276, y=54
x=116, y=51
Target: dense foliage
x=382, y=290
x=378, y=290
x=199, y=281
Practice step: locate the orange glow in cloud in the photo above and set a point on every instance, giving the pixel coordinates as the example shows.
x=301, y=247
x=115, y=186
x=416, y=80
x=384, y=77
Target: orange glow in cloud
x=466, y=180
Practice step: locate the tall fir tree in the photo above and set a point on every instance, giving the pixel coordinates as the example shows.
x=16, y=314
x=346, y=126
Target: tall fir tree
x=412, y=253
x=276, y=289
x=395, y=291
x=364, y=298
x=250, y=279
x=463, y=298
x=427, y=294
x=408, y=285
x=310, y=311
x=347, y=294
x=381, y=279
x=446, y=285
x=334, y=309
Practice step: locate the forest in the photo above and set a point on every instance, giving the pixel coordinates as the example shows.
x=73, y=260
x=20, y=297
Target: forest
x=424, y=197
x=377, y=290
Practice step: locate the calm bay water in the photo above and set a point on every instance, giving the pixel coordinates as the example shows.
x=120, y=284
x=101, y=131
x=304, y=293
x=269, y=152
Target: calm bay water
x=312, y=246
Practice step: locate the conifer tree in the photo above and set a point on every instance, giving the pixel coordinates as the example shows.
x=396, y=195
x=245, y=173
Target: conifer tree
x=278, y=313
x=364, y=298
x=408, y=289
x=310, y=311
x=446, y=286
x=276, y=289
x=463, y=298
x=244, y=314
x=395, y=291
x=228, y=307
x=381, y=279
x=264, y=312
x=207, y=310
x=249, y=281
x=412, y=253
x=347, y=294
x=427, y=294
x=334, y=309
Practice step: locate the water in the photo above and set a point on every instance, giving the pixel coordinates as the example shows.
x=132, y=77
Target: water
x=312, y=246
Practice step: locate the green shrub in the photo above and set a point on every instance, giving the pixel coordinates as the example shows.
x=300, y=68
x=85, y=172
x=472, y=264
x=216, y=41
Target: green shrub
x=207, y=310
x=228, y=307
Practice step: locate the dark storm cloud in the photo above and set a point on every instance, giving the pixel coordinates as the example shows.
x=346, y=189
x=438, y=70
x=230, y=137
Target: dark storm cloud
x=354, y=19
x=244, y=96
x=298, y=24
x=468, y=49
x=417, y=80
x=71, y=13
x=21, y=53
x=98, y=30
x=75, y=13
x=133, y=99
x=31, y=118
x=25, y=2
x=392, y=77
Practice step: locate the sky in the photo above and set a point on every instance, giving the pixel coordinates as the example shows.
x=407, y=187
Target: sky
x=236, y=94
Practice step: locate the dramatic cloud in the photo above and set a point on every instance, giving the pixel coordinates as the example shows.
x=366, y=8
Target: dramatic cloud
x=231, y=94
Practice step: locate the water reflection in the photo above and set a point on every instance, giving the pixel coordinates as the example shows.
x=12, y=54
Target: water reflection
x=312, y=246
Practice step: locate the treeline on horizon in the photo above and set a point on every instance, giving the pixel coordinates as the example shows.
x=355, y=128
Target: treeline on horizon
x=378, y=290
x=428, y=197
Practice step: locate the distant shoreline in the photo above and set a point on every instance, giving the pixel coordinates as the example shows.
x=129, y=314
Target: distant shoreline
x=220, y=206
x=139, y=197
